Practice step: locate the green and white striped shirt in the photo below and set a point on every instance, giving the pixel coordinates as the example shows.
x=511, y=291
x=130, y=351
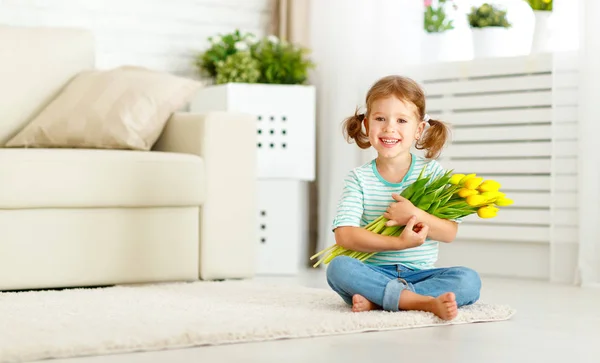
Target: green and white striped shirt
x=366, y=196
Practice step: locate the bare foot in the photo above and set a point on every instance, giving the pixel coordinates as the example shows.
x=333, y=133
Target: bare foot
x=443, y=306
x=360, y=303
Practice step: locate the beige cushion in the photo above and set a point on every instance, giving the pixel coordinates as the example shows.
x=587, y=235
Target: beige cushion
x=48, y=178
x=122, y=108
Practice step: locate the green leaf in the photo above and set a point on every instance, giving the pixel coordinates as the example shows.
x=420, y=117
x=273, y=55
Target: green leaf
x=434, y=206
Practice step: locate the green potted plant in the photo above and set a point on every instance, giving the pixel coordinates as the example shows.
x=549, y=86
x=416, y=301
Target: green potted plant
x=436, y=19
x=541, y=34
x=242, y=58
x=268, y=78
x=439, y=40
x=490, y=25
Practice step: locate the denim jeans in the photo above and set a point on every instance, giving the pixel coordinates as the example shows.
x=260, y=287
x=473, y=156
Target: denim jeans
x=382, y=285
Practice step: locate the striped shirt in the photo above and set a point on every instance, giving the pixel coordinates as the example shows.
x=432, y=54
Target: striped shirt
x=366, y=196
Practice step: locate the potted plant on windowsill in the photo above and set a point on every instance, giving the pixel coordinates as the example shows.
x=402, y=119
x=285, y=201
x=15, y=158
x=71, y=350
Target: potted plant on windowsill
x=541, y=35
x=438, y=44
x=490, y=30
x=267, y=78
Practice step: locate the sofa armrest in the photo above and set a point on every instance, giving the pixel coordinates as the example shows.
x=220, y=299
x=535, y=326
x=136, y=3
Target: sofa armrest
x=228, y=217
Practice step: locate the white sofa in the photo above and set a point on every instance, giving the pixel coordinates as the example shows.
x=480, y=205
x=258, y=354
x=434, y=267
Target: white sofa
x=73, y=217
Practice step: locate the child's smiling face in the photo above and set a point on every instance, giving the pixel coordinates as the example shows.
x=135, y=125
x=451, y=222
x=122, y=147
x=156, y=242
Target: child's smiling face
x=392, y=126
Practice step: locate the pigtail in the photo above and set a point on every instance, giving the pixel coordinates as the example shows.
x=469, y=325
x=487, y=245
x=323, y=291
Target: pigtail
x=434, y=139
x=353, y=130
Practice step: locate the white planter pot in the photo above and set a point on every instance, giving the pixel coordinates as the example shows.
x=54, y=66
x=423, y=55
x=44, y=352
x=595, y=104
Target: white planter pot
x=285, y=124
x=541, y=34
x=447, y=46
x=492, y=42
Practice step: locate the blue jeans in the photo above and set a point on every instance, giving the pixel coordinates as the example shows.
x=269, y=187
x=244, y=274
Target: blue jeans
x=382, y=285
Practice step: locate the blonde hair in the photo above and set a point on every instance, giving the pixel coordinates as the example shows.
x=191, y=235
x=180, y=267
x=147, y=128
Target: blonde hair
x=404, y=89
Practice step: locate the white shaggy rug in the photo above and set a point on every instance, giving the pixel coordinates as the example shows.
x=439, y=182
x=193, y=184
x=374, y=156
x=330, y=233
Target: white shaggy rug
x=57, y=324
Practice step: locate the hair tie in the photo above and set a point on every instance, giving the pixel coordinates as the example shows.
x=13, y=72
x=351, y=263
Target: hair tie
x=361, y=117
x=426, y=118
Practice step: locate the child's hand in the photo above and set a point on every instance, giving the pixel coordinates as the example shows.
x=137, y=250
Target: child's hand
x=400, y=212
x=413, y=234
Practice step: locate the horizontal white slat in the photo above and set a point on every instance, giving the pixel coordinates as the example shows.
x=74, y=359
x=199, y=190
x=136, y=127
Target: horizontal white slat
x=491, y=258
x=529, y=200
x=504, y=233
x=516, y=166
x=524, y=149
x=565, y=97
x=563, y=234
x=518, y=216
x=516, y=83
x=560, y=217
x=506, y=133
x=517, y=99
x=565, y=113
x=561, y=199
x=565, y=131
x=566, y=165
x=564, y=148
x=562, y=184
x=535, y=63
x=525, y=183
x=541, y=199
x=555, y=114
x=568, y=79
x=528, y=115
x=564, y=217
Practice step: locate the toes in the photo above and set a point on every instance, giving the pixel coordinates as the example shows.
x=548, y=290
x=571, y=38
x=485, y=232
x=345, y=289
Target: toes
x=449, y=296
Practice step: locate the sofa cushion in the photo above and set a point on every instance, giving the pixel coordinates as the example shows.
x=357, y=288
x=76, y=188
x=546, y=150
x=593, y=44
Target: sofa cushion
x=58, y=178
x=122, y=108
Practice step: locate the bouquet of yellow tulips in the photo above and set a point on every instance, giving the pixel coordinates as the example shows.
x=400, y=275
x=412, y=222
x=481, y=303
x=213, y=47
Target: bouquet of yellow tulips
x=450, y=196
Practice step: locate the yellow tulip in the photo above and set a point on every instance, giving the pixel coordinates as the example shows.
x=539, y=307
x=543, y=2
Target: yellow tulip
x=475, y=200
x=464, y=192
x=456, y=178
x=466, y=177
x=487, y=212
x=503, y=202
x=489, y=186
x=473, y=183
x=492, y=196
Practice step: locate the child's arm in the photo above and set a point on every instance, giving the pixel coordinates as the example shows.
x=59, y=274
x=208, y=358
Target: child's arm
x=441, y=230
x=361, y=240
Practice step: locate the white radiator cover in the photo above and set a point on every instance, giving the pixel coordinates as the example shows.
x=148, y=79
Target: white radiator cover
x=514, y=120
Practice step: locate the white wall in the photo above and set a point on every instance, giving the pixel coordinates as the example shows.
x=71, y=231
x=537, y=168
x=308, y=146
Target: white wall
x=158, y=34
x=589, y=163
x=370, y=41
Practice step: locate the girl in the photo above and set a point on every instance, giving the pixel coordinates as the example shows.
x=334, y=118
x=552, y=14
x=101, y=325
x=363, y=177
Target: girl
x=401, y=276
